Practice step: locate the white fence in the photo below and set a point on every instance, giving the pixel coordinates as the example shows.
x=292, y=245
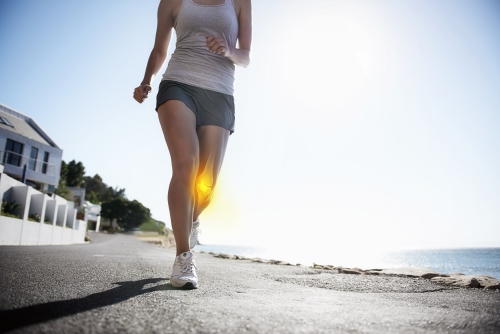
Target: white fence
x=57, y=226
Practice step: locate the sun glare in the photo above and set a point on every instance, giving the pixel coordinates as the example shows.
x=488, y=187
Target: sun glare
x=327, y=68
x=223, y=216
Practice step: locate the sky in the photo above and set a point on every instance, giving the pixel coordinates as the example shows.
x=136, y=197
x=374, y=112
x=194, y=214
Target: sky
x=359, y=124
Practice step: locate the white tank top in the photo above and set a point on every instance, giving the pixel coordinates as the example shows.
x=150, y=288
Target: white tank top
x=192, y=63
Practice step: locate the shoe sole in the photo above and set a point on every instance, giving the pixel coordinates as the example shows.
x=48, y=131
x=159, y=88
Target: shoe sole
x=187, y=286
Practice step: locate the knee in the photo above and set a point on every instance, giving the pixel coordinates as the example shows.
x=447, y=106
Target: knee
x=204, y=190
x=185, y=169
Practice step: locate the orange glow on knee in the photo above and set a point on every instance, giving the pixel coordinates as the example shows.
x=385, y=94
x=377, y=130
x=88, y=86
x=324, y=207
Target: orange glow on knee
x=203, y=187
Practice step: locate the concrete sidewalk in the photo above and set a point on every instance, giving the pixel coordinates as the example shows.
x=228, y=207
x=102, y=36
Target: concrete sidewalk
x=120, y=284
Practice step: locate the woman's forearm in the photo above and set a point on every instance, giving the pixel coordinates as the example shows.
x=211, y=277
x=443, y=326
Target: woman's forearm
x=155, y=62
x=240, y=57
x=159, y=52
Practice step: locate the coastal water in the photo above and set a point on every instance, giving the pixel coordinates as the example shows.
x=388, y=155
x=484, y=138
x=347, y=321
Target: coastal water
x=469, y=261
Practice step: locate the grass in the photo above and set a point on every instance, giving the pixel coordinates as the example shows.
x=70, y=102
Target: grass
x=11, y=215
x=150, y=226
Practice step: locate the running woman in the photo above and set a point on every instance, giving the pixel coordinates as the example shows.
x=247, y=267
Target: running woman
x=195, y=106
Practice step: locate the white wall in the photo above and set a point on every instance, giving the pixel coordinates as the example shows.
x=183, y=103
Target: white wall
x=61, y=213
x=45, y=236
x=10, y=231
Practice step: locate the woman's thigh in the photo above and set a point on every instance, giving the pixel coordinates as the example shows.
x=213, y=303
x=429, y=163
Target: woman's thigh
x=178, y=124
x=212, y=144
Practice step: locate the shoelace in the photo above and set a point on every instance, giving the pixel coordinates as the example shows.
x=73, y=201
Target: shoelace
x=187, y=267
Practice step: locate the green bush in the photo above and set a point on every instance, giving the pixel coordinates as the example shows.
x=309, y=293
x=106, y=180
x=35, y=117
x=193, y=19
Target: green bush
x=149, y=226
x=34, y=217
x=9, y=207
x=153, y=226
x=117, y=229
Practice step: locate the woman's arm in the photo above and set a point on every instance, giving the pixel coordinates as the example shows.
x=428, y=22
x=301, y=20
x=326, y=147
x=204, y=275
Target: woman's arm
x=159, y=52
x=241, y=55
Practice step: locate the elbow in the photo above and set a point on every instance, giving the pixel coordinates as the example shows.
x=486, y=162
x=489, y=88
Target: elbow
x=246, y=61
x=243, y=63
x=159, y=53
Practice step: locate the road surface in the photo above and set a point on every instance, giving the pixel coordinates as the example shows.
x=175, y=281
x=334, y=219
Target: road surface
x=118, y=284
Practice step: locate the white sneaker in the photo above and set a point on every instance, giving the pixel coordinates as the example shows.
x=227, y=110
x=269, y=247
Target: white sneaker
x=193, y=239
x=184, y=272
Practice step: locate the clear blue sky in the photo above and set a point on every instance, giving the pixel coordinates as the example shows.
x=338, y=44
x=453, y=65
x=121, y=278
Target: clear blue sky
x=358, y=122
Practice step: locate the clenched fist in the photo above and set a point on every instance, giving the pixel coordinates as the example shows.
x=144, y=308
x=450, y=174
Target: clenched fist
x=218, y=45
x=141, y=93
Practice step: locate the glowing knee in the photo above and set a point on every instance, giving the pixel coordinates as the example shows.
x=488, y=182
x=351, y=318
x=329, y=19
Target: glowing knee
x=204, y=189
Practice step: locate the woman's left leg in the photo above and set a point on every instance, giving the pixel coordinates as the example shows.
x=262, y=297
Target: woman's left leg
x=212, y=142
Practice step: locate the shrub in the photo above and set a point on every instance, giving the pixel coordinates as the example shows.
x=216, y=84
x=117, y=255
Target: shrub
x=34, y=217
x=153, y=225
x=8, y=208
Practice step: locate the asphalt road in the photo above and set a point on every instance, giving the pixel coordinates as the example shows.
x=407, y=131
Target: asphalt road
x=118, y=284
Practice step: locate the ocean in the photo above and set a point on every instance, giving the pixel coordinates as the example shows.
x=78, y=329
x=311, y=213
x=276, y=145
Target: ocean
x=469, y=261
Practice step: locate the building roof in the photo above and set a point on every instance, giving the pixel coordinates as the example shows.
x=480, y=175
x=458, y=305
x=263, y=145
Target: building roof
x=24, y=126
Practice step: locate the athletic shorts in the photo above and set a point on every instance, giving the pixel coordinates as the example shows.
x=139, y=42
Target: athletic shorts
x=209, y=107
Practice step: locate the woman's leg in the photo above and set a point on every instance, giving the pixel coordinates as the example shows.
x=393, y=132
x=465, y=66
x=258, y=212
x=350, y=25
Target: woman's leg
x=178, y=123
x=212, y=145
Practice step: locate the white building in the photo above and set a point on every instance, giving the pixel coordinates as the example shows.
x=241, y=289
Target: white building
x=93, y=216
x=23, y=142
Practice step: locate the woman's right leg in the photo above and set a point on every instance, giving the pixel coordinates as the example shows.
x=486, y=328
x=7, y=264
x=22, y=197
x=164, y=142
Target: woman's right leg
x=178, y=123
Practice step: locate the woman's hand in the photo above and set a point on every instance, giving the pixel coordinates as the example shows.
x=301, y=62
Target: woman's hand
x=141, y=93
x=218, y=45
x=238, y=55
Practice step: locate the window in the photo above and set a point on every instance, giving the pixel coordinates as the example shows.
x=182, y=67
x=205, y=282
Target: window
x=45, y=162
x=5, y=121
x=33, y=157
x=13, y=153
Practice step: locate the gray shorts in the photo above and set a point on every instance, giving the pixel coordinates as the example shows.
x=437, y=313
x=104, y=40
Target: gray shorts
x=209, y=107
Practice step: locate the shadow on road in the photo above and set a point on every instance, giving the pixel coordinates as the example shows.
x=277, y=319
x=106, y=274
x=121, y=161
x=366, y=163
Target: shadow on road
x=21, y=317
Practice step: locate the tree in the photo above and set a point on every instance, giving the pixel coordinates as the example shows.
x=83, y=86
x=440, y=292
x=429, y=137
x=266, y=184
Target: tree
x=63, y=175
x=98, y=192
x=113, y=193
x=95, y=189
x=114, y=209
x=128, y=214
x=93, y=184
x=136, y=214
x=61, y=189
x=92, y=197
x=64, y=193
x=76, y=170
